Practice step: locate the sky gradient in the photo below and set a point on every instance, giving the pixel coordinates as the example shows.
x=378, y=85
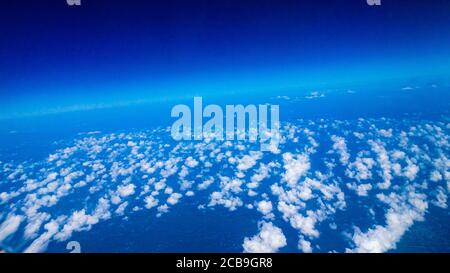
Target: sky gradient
x=56, y=58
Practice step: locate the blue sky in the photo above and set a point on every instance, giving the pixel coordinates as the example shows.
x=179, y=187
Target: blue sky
x=107, y=53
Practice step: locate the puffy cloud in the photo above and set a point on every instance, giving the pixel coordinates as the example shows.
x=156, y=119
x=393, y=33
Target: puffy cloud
x=304, y=246
x=190, y=193
x=191, y=162
x=260, y=174
x=384, y=162
x=269, y=240
x=184, y=172
x=160, y=185
x=77, y=222
x=435, y=176
x=34, y=224
x=385, y=133
x=360, y=169
x=121, y=209
x=358, y=135
x=4, y=197
x=230, y=202
x=440, y=198
x=162, y=209
x=127, y=190
x=265, y=207
x=80, y=221
x=233, y=185
x=340, y=147
x=360, y=189
x=399, y=218
x=205, y=184
x=306, y=225
x=248, y=161
x=288, y=210
x=40, y=244
x=150, y=202
x=173, y=198
x=296, y=166
x=168, y=190
x=10, y=225
x=411, y=171
x=292, y=184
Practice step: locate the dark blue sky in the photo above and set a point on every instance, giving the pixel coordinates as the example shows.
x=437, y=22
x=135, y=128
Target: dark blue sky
x=53, y=56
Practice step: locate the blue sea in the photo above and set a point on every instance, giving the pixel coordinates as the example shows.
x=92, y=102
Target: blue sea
x=359, y=169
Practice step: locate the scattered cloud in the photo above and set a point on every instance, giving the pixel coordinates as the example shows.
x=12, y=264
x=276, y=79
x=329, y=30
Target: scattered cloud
x=269, y=240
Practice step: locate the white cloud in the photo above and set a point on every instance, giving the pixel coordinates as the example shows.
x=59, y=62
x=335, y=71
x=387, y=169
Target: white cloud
x=80, y=221
x=40, y=244
x=435, y=176
x=358, y=135
x=162, y=209
x=248, y=161
x=225, y=199
x=127, y=190
x=411, y=171
x=340, y=147
x=150, y=202
x=384, y=162
x=34, y=224
x=296, y=166
x=265, y=207
x=288, y=210
x=260, y=174
x=191, y=162
x=360, y=169
x=408, y=88
x=4, y=197
x=306, y=225
x=190, y=193
x=10, y=225
x=269, y=240
x=315, y=95
x=385, y=133
x=205, y=184
x=440, y=198
x=121, y=209
x=304, y=246
x=360, y=189
x=174, y=198
x=303, y=195
x=399, y=218
x=168, y=190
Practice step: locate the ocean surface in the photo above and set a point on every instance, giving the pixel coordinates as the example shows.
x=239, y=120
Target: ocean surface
x=358, y=170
